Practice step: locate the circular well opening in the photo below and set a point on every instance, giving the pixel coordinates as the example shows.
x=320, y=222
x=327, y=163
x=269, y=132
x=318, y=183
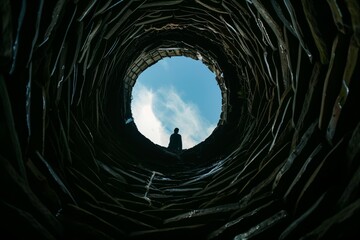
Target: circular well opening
x=176, y=92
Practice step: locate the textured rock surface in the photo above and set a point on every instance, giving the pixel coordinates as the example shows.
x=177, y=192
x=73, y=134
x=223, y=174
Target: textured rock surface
x=283, y=162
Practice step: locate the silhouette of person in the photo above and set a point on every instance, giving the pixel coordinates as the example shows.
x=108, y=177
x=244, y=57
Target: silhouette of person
x=175, y=144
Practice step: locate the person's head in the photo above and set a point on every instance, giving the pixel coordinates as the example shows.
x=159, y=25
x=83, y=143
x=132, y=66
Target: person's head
x=176, y=130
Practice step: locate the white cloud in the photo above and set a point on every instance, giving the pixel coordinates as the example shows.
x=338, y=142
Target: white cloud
x=146, y=121
x=157, y=113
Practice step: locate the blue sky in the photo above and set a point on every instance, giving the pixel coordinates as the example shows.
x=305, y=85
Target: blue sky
x=176, y=92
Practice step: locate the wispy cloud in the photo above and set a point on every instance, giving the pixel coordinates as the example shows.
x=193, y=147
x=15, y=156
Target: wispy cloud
x=145, y=119
x=157, y=113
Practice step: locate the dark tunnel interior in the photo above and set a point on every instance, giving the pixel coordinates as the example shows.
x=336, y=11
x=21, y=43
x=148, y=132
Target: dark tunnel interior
x=282, y=163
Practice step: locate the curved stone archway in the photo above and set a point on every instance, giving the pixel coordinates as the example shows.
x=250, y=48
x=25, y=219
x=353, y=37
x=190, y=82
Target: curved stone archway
x=282, y=162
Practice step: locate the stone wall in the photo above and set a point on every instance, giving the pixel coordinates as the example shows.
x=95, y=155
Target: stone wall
x=283, y=162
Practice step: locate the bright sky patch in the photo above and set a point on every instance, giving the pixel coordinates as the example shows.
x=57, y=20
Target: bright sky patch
x=176, y=92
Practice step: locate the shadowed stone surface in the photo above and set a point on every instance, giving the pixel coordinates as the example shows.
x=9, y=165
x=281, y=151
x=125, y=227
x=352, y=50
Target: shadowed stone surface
x=283, y=162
